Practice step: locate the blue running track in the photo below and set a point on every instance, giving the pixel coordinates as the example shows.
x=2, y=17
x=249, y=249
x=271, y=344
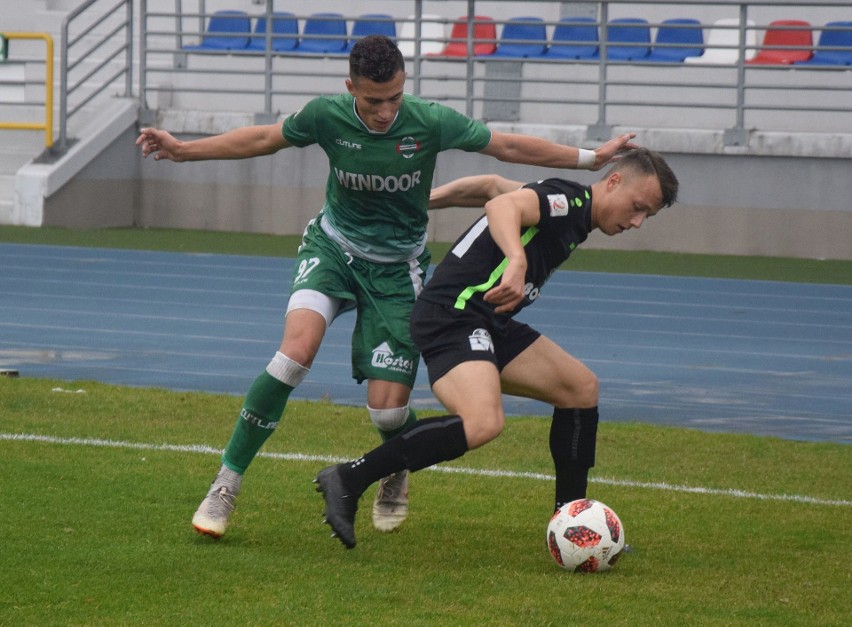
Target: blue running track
x=759, y=357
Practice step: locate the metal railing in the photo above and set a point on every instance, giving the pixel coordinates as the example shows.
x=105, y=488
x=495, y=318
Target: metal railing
x=91, y=62
x=599, y=93
x=47, y=124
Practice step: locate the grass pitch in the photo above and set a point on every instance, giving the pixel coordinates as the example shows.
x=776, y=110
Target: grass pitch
x=100, y=482
x=100, y=485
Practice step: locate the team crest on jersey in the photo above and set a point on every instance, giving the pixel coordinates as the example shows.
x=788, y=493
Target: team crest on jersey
x=558, y=205
x=480, y=340
x=407, y=147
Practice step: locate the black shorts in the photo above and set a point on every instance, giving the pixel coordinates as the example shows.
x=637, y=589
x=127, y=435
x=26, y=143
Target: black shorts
x=447, y=337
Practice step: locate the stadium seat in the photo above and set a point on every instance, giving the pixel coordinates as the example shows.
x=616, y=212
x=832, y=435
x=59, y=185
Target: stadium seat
x=796, y=33
x=723, y=40
x=484, y=37
x=226, y=30
x=835, y=35
x=517, y=35
x=432, y=35
x=569, y=36
x=330, y=28
x=627, y=38
x=677, y=39
x=371, y=24
x=285, y=33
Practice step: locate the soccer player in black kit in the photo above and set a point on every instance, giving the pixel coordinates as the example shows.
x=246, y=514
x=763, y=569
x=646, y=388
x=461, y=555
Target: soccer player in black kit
x=474, y=350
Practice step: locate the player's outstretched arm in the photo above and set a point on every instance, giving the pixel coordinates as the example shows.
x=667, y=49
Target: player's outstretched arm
x=471, y=191
x=517, y=148
x=240, y=143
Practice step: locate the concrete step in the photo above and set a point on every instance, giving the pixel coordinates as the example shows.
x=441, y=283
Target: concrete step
x=7, y=197
x=19, y=147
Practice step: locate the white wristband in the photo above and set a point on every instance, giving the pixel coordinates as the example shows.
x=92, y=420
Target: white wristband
x=586, y=159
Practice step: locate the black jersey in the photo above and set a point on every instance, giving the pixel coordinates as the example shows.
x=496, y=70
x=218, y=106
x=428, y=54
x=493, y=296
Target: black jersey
x=475, y=263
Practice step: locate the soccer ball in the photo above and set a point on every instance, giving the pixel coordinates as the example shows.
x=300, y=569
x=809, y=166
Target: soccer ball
x=585, y=536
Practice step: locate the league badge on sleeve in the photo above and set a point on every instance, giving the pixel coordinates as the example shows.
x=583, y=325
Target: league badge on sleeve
x=558, y=205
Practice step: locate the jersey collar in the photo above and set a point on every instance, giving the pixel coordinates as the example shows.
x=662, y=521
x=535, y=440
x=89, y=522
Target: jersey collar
x=367, y=128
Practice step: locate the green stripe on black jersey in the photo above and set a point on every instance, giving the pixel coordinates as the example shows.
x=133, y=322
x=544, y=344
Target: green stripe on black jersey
x=468, y=292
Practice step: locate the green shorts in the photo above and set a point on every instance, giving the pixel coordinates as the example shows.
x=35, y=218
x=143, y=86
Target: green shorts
x=382, y=295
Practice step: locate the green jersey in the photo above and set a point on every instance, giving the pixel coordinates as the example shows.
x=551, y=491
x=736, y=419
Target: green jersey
x=378, y=186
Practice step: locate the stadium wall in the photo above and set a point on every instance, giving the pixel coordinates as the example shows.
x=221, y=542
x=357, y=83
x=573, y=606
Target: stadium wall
x=786, y=195
x=740, y=204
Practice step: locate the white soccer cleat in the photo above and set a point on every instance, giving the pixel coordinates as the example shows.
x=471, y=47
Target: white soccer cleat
x=211, y=517
x=390, y=509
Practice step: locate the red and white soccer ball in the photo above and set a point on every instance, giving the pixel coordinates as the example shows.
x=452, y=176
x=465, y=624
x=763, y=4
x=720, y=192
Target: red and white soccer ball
x=585, y=536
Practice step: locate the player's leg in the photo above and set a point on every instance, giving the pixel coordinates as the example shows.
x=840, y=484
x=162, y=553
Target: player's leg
x=464, y=375
x=472, y=387
x=387, y=404
x=261, y=412
x=547, y=373
x=313, y=304
x=384, y=354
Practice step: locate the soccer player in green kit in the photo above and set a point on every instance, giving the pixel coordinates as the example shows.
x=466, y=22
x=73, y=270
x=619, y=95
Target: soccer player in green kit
x=365, y=250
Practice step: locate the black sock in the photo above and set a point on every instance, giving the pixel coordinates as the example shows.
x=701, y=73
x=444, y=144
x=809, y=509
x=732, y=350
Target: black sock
x=423, y=444
x=573, y=434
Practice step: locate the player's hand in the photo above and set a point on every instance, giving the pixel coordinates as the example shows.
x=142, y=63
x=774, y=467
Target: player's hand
x=509, y=293
x=159, y=143
x=613, y=149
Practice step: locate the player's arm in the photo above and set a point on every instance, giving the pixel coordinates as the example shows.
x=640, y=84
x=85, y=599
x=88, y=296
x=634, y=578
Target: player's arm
x=239, y=143
x=471, y=191
x=517, y=148
x=506, y=215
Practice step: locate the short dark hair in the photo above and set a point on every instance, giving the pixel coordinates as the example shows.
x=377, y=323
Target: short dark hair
x=375, y=57
x=648, y=162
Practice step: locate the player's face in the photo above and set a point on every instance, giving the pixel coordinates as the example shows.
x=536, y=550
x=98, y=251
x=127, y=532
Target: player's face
x=628, y=201
x=377, y=103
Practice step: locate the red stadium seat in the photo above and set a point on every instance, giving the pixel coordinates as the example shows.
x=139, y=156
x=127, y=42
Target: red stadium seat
x=785, y=33
x=484, y=28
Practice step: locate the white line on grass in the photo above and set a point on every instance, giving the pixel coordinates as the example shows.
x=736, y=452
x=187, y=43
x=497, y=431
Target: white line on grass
x=301, y=457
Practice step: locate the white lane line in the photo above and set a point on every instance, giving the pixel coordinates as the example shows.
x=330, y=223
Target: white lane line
x=302, y=457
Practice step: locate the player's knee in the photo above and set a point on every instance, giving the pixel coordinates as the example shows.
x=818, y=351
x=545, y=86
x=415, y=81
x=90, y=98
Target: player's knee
x=301, y=352
x=480, y=428
x=388, y=419
x=588, y=390
x=580, y=391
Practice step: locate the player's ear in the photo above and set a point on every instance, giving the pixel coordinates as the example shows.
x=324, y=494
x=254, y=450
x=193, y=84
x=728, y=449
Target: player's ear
x=613, y=181
x=350, y=86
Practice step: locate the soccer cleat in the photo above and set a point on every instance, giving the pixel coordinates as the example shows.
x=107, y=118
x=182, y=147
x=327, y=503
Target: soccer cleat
x=211, y=517
x=340, y=505
x=390, y=507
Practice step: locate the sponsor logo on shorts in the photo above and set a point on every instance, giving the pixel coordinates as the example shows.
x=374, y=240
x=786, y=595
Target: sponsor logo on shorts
x=384, y=358
x=480, y=340
x=558, y=205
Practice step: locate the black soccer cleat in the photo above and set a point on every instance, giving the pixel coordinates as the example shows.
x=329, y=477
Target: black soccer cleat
x=340, y=505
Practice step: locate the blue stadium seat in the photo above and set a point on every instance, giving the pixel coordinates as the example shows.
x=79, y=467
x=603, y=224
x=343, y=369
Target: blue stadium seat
x=285, y=25
x=522, y=29
x=628, y=39
x=371, y=24
x=226, y=30
x=569, y=36
x=677, y=32
x=331, y=26
x=836, y=35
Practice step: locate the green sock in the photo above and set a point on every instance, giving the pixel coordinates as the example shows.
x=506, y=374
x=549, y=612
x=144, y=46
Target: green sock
x=410, y=420
x=262, y=409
